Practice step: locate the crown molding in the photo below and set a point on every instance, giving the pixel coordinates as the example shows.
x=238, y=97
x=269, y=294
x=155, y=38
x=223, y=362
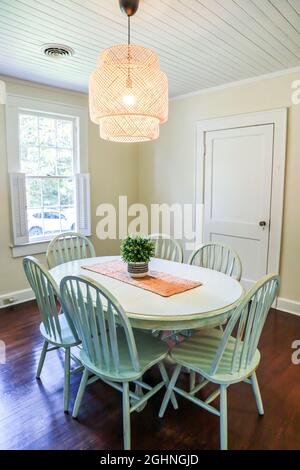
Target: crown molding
x=246, y=81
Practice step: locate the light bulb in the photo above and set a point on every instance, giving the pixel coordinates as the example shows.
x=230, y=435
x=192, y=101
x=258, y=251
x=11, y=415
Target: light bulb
x=128, y=100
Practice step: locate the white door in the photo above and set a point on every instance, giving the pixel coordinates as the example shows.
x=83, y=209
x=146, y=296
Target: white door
x=237, y=193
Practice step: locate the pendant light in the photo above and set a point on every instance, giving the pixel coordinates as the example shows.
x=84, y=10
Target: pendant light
x=128, y=93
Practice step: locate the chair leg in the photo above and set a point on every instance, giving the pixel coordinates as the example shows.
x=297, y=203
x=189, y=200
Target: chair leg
x=169, y=391
x=223, y=418
x=80, y=393
x=42, y=359
x=257, y=394
x=139, y=391
x=166, y=380
x=67, y=379
x=192, y=380
x=126, y=416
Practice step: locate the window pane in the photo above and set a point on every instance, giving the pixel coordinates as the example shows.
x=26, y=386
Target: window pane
x=47, y=131
x=35, y=223
x=64, y=162
x=28, y=129
x=66, y=192
x=69, y=220
x=47, y=166
x=30, y=160
x=51, y=220
x=64, y=133
x=50, y=192
x=34, y=195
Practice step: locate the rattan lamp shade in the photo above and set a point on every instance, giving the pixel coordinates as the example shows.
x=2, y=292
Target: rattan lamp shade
x=128, y=94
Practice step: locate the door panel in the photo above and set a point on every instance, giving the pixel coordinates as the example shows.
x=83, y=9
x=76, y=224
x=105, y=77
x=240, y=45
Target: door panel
x=237, y=193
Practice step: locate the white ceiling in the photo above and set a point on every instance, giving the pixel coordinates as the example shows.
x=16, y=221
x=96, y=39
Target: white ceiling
x=201, y=43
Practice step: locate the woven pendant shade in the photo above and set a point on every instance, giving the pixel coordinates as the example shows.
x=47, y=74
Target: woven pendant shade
x=128, y=94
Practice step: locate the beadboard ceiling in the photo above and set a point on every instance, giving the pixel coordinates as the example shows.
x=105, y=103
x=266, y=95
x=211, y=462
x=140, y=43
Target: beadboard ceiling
x=201, y=43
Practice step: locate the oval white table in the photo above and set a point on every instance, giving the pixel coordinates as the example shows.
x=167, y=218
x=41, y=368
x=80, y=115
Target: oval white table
x=207, y=305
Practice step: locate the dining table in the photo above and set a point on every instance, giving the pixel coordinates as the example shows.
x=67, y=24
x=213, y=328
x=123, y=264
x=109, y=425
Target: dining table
x=208, y=305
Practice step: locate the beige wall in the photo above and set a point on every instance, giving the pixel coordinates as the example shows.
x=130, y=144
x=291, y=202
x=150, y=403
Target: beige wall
x=113, y=168
x=163, y=171
x=167, y=166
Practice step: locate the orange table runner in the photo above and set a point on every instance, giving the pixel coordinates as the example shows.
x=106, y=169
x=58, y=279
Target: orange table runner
x=161, y=283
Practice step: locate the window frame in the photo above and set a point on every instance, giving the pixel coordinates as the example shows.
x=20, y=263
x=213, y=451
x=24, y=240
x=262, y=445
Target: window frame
x=44, y=108
x=75, y=162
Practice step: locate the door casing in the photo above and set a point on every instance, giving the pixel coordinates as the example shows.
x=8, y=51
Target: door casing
x=277, y=117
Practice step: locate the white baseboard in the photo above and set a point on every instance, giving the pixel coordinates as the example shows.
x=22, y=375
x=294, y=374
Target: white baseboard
x=289, y=306
x=15, y=298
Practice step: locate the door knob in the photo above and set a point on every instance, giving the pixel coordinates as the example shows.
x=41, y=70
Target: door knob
x=262, y=223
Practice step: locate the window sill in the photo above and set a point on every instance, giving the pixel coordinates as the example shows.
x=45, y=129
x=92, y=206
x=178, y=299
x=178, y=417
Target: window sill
x=33, y=248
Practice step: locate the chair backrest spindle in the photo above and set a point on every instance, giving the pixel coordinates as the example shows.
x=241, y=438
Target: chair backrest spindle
x=218, y=257
x=166, y=247
x=246, y=324
x=69, y=246
x=99, y=320
x=47, y=295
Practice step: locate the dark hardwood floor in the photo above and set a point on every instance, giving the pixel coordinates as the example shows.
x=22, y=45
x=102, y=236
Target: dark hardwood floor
x=31, y=411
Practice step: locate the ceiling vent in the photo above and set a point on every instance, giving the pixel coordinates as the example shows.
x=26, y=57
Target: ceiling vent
x=57, y=51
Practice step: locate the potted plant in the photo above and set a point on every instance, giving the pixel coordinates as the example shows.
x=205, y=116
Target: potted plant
x=136, y=251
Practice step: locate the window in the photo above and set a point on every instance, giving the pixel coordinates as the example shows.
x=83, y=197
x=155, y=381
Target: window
x=47, y=152
x=47, y=165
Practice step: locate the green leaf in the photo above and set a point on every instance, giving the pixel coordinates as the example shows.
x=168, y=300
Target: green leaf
x=137, y=249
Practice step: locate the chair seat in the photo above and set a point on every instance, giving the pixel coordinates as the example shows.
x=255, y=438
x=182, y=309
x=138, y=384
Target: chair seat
x=198, y=353
x=150, y=351
x=66, y=337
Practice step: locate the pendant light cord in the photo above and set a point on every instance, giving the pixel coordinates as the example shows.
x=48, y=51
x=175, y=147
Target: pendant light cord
x=129, y=83
x=128, y=30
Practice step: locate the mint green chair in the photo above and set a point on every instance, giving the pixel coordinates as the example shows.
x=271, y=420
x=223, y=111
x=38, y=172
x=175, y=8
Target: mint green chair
x=69, y=246
x=169, y=249
x=228, y=357
x=110, y=350
x=218, y=257
x=166, y=247
x=54, y=327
